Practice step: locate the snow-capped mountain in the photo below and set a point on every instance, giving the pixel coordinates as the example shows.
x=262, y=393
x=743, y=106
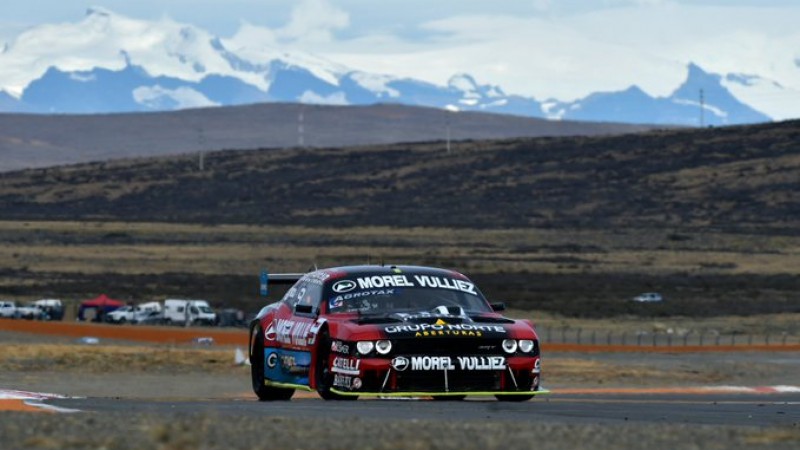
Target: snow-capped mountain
x=111, y=63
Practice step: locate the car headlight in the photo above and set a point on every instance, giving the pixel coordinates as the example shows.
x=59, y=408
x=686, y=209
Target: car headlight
x=383, y=346
x=525, y=345
x=364, y=347
x=509, y=345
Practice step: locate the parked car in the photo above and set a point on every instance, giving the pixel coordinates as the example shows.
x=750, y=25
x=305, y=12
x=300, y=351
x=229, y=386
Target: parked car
x=188, y=312
x=648, y=297
x=53, y=308
x=123, y=314
x=8, y=309
x=32, y=311
x=379, y=331
x=151, y=317
x=132, y=314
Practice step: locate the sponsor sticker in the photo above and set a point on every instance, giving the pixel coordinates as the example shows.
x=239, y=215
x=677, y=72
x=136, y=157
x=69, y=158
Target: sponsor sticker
x=425, y=281
x=270, y=333
x=400, y=363
x=272, y=360
x=292, y=332
x=444, y=329
x=340, y=347
x=340, y=287
x=338, y=301
x=342, y=381
x=465, y=363
x=347, y=366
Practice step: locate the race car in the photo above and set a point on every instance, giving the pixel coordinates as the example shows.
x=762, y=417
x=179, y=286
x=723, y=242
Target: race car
x=390, y=331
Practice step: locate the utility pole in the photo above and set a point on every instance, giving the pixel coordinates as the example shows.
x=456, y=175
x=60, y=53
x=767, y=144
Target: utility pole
x=300, y=130
x=448, y=133
x=201, y=155
x=702, y=109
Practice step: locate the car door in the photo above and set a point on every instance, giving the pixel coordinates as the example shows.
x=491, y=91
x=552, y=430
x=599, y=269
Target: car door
x=291, y=332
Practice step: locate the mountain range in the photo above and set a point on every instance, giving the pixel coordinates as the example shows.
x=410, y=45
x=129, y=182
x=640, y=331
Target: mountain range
x=109, y=63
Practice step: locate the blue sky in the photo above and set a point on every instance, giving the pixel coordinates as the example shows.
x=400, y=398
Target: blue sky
x=543, y=48
x=365, y=16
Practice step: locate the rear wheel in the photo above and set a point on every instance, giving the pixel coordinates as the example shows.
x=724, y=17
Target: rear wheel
x=324, y=376
x=264, y=392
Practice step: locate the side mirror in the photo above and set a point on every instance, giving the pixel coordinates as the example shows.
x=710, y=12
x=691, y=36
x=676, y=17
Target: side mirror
x=497, y=307
x=303, y=309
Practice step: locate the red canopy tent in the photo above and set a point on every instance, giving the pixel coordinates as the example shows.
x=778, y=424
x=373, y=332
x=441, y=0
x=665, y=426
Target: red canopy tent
x=101, y=305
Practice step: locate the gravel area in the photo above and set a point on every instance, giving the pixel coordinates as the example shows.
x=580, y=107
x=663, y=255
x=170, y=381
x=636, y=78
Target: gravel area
x=229, y=431
x=235, y=428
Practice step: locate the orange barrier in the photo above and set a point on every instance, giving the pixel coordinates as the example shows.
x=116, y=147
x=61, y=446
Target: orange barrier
x=172, y=335
x=238, y=337
x=589, y=348
x=19, y=405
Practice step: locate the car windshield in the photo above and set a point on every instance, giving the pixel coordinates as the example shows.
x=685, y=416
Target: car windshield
x=382, y=294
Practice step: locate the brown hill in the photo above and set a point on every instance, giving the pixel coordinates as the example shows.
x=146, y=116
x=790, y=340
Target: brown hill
x=28, y=141
x=738, y=178
x=574, y=225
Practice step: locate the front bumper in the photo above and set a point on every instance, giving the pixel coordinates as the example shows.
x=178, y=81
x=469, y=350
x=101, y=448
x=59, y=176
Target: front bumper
x=444, y=376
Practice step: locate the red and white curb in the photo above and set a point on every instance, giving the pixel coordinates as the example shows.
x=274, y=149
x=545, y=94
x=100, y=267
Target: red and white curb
x=700, y=390
x=35, y=399
x=755, y=390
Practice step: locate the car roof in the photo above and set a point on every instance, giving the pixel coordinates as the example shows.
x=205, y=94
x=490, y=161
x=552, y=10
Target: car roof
x=350, y=271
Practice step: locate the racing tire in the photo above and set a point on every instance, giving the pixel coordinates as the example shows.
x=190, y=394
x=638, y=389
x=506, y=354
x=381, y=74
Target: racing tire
x=513, y=398
x=323, y=376
x=263, y=392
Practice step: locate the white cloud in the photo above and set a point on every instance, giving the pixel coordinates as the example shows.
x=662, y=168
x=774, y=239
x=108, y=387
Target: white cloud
x=313, y=21
x=310, y=97
x=157, y=97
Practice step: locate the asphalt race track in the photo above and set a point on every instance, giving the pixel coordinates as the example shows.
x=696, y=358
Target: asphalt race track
x=757, y=410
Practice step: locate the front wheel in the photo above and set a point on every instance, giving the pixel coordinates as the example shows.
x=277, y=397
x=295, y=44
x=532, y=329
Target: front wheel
x=324, y=376
x=262, y=391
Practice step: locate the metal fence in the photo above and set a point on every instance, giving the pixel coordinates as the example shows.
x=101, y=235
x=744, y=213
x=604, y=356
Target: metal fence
x=661, y=339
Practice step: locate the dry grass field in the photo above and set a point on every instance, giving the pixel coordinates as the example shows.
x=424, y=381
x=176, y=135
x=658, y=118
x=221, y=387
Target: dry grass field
x=588, y=273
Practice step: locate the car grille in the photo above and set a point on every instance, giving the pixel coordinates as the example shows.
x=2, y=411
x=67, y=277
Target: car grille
x=454, y=380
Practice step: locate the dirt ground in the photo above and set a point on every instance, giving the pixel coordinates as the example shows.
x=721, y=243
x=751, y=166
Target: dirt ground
x=129, y=370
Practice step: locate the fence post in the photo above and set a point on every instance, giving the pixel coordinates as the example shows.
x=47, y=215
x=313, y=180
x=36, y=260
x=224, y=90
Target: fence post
x=580, y=330
x=654, y=339
x=564, y=335
x=669, y=340
x=639, y=339
x=733, y=339
x=784, y=339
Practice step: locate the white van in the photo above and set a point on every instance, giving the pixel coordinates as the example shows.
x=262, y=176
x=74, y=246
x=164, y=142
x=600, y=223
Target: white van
x=188, y=312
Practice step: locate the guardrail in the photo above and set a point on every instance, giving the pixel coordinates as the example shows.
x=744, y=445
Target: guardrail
x=139, y=333
x=708, y=340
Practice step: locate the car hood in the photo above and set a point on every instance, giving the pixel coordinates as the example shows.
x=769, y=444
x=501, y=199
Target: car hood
x=429, y=325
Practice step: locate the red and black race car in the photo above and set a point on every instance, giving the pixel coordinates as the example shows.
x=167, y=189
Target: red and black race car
x=391, y=331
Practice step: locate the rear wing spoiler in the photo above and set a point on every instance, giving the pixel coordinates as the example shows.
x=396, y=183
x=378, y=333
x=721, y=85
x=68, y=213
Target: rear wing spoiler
x=267, y=278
